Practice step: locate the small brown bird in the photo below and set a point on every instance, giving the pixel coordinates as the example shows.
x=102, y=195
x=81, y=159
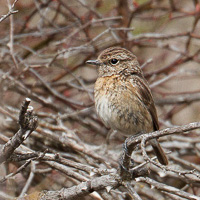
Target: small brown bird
x=123, y=99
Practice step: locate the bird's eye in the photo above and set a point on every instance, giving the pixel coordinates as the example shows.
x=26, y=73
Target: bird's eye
x=114, y=61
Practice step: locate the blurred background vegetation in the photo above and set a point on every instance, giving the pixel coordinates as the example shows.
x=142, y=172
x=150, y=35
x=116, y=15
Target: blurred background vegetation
x=44, y=47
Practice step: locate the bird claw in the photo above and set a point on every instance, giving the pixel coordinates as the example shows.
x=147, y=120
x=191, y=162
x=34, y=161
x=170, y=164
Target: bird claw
x=132, y=162
x=125, y=145
x=125, y=148
x=124, y=172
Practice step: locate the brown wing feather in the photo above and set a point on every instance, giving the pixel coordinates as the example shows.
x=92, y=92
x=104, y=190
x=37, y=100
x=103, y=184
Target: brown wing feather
x=145, y=95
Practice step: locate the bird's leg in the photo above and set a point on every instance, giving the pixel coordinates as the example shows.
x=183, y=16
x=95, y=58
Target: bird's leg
x=126, y=159
x=126, y=147
x=123, y=170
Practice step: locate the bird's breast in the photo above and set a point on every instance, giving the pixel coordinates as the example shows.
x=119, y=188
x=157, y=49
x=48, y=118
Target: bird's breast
x=118, y=106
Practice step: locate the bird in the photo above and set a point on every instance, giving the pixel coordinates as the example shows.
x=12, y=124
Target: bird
x=122, y=96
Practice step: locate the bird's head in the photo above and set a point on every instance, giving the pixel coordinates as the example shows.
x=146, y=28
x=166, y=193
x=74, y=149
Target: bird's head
x=116, y=61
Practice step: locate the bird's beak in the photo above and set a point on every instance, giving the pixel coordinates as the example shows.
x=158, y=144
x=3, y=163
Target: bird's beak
x=93, y=62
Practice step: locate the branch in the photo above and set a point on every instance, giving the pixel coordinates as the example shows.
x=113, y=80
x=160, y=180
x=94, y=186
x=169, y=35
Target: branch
x=28, y=123
x=132, y=142
x=10, y=12
x=187, y=98
x=83, y=189
x=170, y=189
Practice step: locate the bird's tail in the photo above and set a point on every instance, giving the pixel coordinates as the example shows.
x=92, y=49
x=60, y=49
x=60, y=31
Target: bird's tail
x=162, y=158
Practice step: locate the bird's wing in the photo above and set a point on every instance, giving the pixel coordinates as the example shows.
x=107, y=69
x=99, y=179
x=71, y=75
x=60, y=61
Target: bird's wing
x=143, y=92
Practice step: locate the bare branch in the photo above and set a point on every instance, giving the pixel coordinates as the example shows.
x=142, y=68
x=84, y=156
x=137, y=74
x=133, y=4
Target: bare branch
x=28, y=123
x=10, y=12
